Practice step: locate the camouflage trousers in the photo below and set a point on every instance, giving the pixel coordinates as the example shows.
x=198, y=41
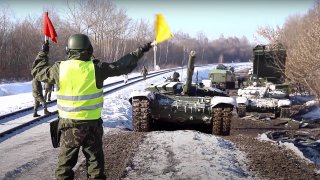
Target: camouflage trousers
x=90, y=139
x=37, y=102
x=47, y=94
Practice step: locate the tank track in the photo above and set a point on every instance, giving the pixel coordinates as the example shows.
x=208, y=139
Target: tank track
x=242, y=110
x=221, y=121
x=141, y=115
x=216, y=121
x=285, y=112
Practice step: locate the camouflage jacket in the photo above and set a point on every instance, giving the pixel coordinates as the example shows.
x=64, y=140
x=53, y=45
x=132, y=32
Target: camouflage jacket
x=49, y=87
x=144, y=71
x=41, y=71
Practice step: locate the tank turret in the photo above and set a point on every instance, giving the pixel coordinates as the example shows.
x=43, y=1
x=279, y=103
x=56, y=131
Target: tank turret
x=187, y=88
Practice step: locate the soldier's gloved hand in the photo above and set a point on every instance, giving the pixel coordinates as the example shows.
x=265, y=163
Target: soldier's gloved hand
x=146, y=47
x=45, y=46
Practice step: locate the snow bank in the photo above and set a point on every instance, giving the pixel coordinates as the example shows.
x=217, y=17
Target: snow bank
x=293, y=148
x=312, y=115
x=15, y=88
x=312, y=102
x=263, y=137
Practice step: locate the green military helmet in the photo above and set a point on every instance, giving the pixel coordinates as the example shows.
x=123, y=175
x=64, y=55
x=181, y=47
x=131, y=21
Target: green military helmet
x=175, y=75
x=79, y=42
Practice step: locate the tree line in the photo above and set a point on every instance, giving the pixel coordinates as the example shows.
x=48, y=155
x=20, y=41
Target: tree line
x=300, y=35
x=113, y=35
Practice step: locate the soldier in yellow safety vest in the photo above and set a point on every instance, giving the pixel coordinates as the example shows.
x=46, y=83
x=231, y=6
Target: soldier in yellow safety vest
x=79, y=82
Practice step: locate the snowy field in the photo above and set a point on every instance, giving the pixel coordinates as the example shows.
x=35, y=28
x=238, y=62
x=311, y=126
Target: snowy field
x=29, y=152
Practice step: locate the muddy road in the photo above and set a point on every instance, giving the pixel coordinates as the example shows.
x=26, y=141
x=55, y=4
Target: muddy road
x=264, y=159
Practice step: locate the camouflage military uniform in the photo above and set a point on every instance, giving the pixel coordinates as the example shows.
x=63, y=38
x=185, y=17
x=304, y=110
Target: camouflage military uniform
x=48, y=89
x=88, y=134
x=38, y=97
x=144, y=72
x=85, y=133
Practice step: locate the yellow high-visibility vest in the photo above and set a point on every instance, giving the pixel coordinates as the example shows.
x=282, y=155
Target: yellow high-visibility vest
x=78, y=97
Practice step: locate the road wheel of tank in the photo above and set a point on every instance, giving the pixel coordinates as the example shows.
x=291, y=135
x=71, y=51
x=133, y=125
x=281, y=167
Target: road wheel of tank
x=141, y=115
x=217, y=121
x=242, y=110
x=284, y=112
x=226, y=123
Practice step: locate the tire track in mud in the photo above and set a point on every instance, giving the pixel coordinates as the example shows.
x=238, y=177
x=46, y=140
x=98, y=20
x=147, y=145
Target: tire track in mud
x=269, y=159
x=119, y=147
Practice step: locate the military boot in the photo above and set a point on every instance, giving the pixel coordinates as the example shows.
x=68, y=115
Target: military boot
x=35, y=114
x=46, y=112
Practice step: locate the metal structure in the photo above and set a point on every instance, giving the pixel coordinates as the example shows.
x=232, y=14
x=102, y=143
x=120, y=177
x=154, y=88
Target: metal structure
x=269, y=62
x=222, y=77
x=182, y=103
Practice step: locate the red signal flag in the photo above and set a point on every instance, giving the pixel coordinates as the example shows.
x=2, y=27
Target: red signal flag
x=48, y=29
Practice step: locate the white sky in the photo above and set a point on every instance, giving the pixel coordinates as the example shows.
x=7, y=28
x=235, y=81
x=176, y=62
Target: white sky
x=212, y=17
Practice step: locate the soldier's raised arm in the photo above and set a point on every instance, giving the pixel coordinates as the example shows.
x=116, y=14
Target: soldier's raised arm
x=41, y=69
x=124, y=65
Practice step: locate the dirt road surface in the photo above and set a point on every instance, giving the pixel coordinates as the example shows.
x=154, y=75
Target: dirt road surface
x=265, y=159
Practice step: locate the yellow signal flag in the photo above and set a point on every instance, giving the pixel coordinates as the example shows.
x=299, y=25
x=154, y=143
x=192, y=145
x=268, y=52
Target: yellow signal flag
x=162, y=29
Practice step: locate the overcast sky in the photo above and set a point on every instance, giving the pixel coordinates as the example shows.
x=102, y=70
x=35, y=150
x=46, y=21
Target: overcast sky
x=212, y=17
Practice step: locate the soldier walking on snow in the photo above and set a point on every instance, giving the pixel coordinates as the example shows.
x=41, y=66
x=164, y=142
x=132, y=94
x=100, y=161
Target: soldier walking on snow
x=144, y=72
x=125, y=78
x=79, y=82
x=38, y=98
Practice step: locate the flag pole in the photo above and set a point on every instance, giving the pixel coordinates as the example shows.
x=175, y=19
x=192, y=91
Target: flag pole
x=154, y=44
x=154, y=57
x=45, y=37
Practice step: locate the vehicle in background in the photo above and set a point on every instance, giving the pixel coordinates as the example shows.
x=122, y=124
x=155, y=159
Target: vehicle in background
x=266, y=89
x=222, y=77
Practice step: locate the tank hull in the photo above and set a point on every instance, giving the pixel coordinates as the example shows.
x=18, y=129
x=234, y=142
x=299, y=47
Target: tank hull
x=175, y=109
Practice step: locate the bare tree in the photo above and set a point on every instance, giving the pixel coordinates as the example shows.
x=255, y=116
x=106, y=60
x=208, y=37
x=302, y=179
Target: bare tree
x=301, y=36
x=113, y=35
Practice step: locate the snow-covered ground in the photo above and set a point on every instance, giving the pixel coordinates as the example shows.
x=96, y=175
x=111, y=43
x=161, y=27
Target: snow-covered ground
x=15, y=96
x=187, y=155
x=29, y=151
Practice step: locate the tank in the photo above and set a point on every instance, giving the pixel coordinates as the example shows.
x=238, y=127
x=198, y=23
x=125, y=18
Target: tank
x=267, y=90
x=268, y=98
x=182, y=103
x=222, y=77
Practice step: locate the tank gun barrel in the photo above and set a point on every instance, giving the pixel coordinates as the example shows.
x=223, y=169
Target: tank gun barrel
x=192, y=56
